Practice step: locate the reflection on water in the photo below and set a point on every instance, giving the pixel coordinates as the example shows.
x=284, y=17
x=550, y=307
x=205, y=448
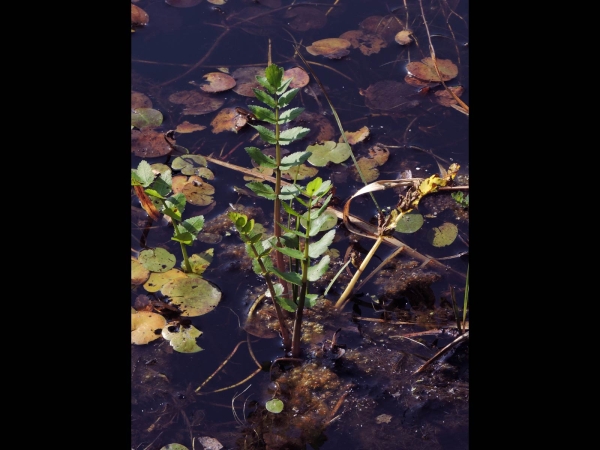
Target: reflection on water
x=357, y=389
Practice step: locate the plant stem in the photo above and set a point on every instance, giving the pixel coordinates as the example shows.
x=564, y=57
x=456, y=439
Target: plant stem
x=297, y=333
x=346, y=294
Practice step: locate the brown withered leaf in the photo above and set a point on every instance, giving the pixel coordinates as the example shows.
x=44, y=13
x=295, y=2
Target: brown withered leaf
x=355, y=137
x=306, y=17
x=187, y=127
x=196, y=102
x=403, y=37
x=366, y=43
x=225, y=120
x=139, y=17
x=216, y=82
x=148, y=144
x=321, y=128
x=183, y=3
x=379, y=154
x=139, y=100
x=425, y=70
x=196, y=191
x=445, y=98
x=300, y=77
x=391, y=96
x=245, y=78
x=419, y=83
x=332, y=48
x=385, y=27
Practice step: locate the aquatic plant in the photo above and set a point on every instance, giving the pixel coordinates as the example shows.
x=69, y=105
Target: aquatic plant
x=313, y=198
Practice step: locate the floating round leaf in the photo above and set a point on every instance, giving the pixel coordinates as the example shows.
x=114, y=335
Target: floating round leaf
x=139, y=274
x=410, y=222
x=174, y=447
x=139, y=17
x=146, y=118
x=157, y=259
x=210, y=443
x=305, y=17
x=144, y=325
x=183, y=3
x=157, y=280
x=197, y=192
x=328, y=151
x=443, y=235
x=245, y=78
x=391, y=95
x=188, y=164
x=354, y=137
x=366, y=43
x=187, y=127
x=333, y=48
x=226, y=120
x=274, y=405
x=425, y=70
x=300, y=77
x=148, y=144
x=196, y=102
x=194, y=296
x=139, y=100
x=368, y=168
x=217, y=82
x=379, y=154
x=445, y=98
x=300, y=172
x=182, y=339
x=403, y=37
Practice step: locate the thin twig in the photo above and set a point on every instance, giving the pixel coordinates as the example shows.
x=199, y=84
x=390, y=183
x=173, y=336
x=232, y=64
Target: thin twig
x=220, y=366
x=452, y=344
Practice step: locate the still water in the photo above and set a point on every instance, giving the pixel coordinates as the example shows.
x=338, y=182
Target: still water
x=368, y=398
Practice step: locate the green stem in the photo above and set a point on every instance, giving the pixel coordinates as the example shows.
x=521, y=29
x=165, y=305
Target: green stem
x=186, y=261
x=297, y=333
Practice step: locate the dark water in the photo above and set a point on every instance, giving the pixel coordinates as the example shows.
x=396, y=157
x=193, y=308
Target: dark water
x=428, y=411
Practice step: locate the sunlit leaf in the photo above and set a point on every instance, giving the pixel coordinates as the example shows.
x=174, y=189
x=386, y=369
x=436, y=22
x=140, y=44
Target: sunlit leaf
x=143, y=175
x=198, y=192
x=274, y=74
x=274, y=405
x=187, y=127
x=217, y=82
x=144, y=324
x=286, y=98
x=443, y=235
x=201, y=261
x=139, y=274
x=194, y=296
x=333, y=48
x=289, y=114
x=148, y=143
x=157, y=280
x=182, y=339
x=260, y=158
x=403, y=37
x=318, y=270
x=157, y=259
x=310, y=300
x=174, y=446
x=324, y=222
x=328, y=151
x=425, y=70
x=300, y=172
x=188, y=164
x=368, y=44
x=225, y=120
x=410, y=222
x=193, y=224
x=262, y=190
x=297, y=254
x=265, y=98
x=146, y=118
x=316, y=249
x=354, y=137
x=292, y=134
x=175, y=204
x=295, y=159
x=139, y=17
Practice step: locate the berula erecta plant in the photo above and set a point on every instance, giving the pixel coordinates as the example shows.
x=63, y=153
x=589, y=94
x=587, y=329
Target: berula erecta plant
x=305, y=204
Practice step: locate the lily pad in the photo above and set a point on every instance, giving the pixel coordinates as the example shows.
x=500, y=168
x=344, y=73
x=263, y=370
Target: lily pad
x=332, y=48
x=146, y=118
x=226, y=120
x=157, y=280
x=328, y=151
x=174, y=447
x=300, y=172
x=410, y=222
x=368, y=168
x=139, y=17
x=139, y=274
x=425, y=70
x=148, y=144
x=366, y=43
x=188, y=164
x=201, y=261
x=139, y=100
x=391, y=96
x=187, y=127
x=194, y=296
x=245, y=78
x=144, y=325
x=443, y=235
x=196, y=102
x=197, y=192
x=182, y=339
x=157, y=259
x=403, y=37
x=354, y=137
x=217, y=82
x=299, y=77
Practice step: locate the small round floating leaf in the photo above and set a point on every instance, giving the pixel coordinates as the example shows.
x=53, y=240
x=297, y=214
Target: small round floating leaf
x=148, y=143
x=403, y=37
x=184, y=339
x=226, y=120
x=146, y=118
x=328, y=151
x=368, y=168
x=425, y=70
x=157, y=280
x=366, y=43
x=217, y=82
x=157, y=259
x=332, y=48
x=445, y=98
x=274, y=405
x=187, y=127
x=139, y=17
x=187, y=164
x=194, y=296
x=210, y=443
x=139, y=100
x=443, y=235
x=143, y=327
x=410, y=222
x=198, y=192
x=139, y=274
x=354, y=137
x=174, y=446
x=299, y=76
x=245, y=78
x=300, y=172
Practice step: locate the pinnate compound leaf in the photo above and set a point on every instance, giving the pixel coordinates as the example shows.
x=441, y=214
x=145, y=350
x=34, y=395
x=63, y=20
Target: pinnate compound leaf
x=286, y=98
x=274, y=75
x=260, y=158
x=193, y=224
x=287, y=304
x=315, y=272
x=316, y=249
x=262, y=190
x=323, y=222
x=295, y=159
x=323, y=189
x=265, y=83
x=290, y=114
x=292, y=134
x=289, y=192
x=310, y=300
x=175, y=206
x=265, y=134
x=263, y=113
x=284, y=86
x=143, y=175
x=292, y=277
x=265, y=98
x=288, y=209
x=291, y=252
